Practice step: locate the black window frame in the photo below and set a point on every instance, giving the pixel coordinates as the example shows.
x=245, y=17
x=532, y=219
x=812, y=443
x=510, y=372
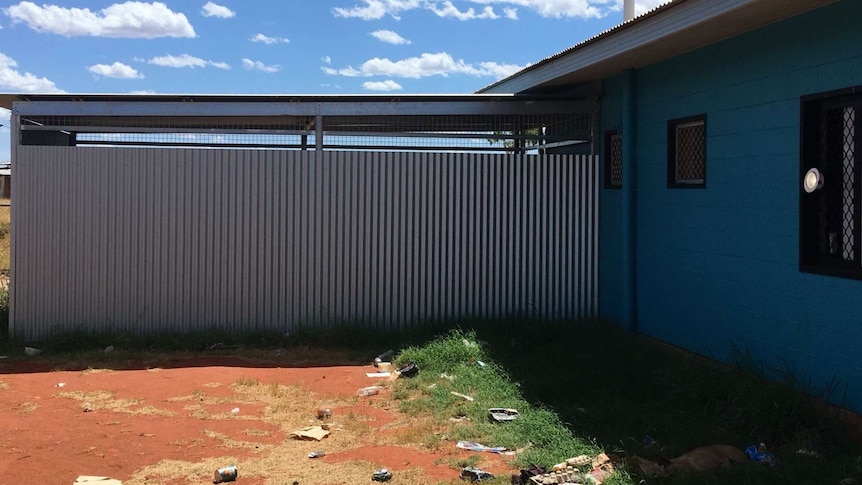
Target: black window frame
x=672, y=125
x=814, y=230
x=608, y=159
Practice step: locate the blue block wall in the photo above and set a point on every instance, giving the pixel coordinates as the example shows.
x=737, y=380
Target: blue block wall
x=610, y=203
x=718, y=268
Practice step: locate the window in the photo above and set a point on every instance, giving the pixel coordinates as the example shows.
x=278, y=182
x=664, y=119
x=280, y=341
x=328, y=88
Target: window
x=613, y=160
x=831, y=215
x=686, y=152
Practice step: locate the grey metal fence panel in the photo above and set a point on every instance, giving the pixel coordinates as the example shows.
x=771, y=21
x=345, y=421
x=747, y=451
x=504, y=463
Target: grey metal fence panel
x=148, y=240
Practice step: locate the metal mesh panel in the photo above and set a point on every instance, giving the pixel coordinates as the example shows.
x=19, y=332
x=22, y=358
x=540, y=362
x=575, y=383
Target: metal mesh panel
x=838, y=212
x=691, y=152
x=848, y=188
x=615, y=165
x=495, y=133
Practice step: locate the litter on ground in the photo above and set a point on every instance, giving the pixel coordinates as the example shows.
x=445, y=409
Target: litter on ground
x=311, y=433
x=469, y=445
x=462, y=396
x=503, y=415
x=378, y=374
x=97, y=480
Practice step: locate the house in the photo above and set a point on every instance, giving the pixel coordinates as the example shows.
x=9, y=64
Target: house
x=6, y=180
x=731, y=217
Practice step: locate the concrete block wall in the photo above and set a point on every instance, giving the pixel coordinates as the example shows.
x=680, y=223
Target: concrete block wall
x=718, y=267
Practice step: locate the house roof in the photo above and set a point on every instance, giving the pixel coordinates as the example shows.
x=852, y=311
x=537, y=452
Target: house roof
x=667, y=31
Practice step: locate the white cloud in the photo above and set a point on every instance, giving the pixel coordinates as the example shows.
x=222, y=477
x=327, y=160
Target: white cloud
x=562, y=8
x=259, y=66
x=214, y=10
x=268, y=40
x=143, y=91
x=185, y=60
x=117, y=70
x=13, y=80
x=450, y=10
x=377, y=9
x=120, y=20
x=388, y=85
x=389, y=37
x=439, y=64
x=643, y=6
x=326, y=59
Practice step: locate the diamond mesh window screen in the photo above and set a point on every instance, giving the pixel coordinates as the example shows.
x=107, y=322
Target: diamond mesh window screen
x=613, y=160
x=831, y=232
x=690, y=153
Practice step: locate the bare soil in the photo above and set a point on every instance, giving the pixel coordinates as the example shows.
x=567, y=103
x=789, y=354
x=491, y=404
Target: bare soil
x=172, y=424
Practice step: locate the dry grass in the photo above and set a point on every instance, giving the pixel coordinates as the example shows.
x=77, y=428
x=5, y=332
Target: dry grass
x=107, y=401
x=27, y=407
x=90, y=370
x=274, y=469
x=279, y=410
x=285, y=408
x=229, y=442
x=4, y=385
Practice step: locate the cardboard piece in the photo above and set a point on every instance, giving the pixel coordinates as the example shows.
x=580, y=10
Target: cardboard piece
x=311, y=433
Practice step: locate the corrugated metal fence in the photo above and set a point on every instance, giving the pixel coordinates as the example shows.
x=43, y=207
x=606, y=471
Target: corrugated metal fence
x=146, y=240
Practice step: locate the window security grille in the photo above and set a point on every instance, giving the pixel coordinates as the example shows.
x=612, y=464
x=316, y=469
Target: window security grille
x=831, y=230
x=613, y=160
x=690, y=153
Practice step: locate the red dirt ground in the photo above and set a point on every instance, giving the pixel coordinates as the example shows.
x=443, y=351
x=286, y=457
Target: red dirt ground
x=50, y=440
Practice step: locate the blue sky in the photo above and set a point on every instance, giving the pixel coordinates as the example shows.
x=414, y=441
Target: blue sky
x=284, y=46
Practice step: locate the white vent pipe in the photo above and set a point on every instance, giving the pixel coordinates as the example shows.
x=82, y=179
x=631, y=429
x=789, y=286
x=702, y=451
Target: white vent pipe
x=628, y=10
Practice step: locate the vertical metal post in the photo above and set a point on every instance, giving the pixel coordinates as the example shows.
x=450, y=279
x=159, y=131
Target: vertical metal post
x=629, y=200
x=318, y=133
x=596, y=126
x=15, y=140
x=303, y=140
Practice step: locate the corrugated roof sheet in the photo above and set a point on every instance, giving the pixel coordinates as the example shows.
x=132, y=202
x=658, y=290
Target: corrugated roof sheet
x=613, y=30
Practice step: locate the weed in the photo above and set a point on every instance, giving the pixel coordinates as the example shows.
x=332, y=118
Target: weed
x=247, y=381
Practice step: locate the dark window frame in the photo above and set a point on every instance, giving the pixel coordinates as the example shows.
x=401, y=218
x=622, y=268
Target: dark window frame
x=812, y=226
x=608, y=159
x=672, y=182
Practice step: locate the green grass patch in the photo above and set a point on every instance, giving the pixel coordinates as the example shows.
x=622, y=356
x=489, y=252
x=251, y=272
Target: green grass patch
x=582, y=388
x=458, y=355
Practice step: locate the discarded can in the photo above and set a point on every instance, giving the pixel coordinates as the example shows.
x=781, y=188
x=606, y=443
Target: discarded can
x=502, y=415
x=475, y=474
x=384, y=357
x=369, y=391
x=226, y=474
x=316, y=454
x=382, y=475
x=324, y=413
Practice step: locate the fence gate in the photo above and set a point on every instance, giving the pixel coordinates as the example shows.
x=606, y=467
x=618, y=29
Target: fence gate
x=173, y=213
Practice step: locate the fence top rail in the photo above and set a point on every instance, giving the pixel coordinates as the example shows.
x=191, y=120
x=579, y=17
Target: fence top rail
x=295, y=105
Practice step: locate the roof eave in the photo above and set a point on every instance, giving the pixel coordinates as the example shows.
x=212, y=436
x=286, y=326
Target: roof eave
x=668, y=31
